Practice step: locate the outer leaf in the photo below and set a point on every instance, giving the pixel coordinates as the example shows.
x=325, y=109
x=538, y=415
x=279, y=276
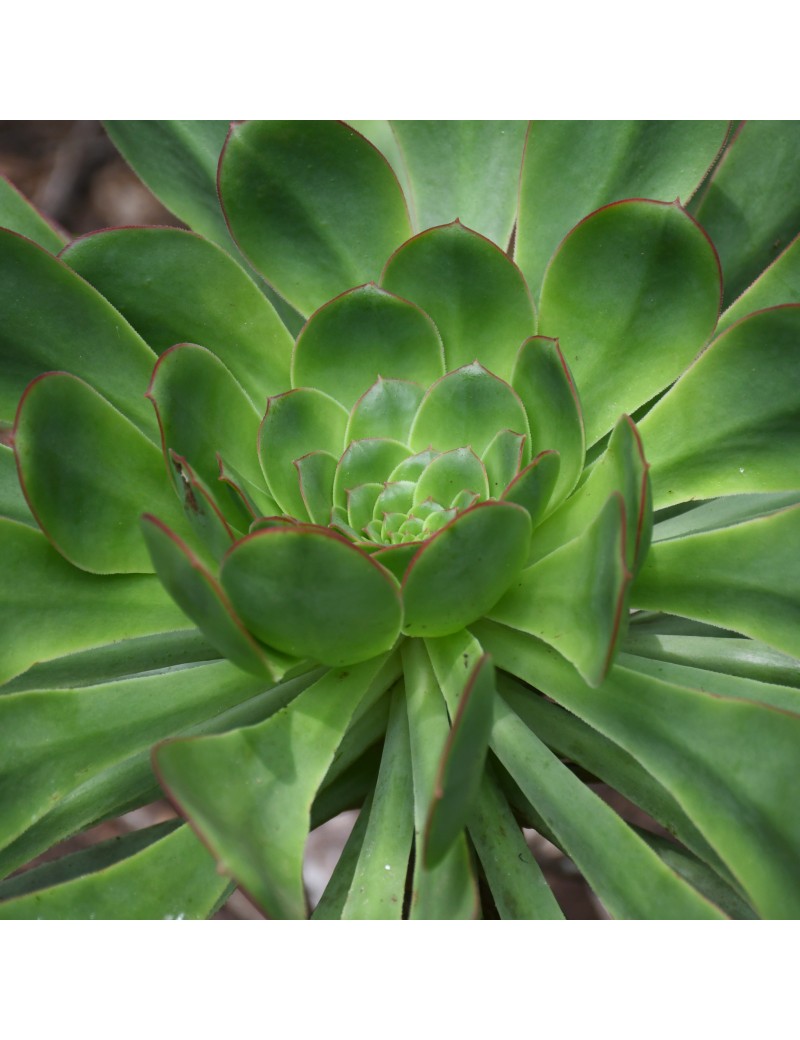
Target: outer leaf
x=466, y=169
x=475, y=294
x=470, y=696
x=440, y=593
x=533, y=487
x=751, y=208
x=310, y=593
x=575, y=598
x=49, y=608
x=249, y=792
x=87, y=472
x=572, y=167
x=175, y=287
x=779, y=283
x=17, y=214
x=177, y=160
x=53, y=320
x=174, y=878
x=633, y=295
x=362, y=335
x=200, y=596
x=628, y=877
x=449, y=890
x=312, y=204
x=544, y=383
x=758, y=596
x=729, y=763
x=12, y=500
x=377, y=890
x=738, y=411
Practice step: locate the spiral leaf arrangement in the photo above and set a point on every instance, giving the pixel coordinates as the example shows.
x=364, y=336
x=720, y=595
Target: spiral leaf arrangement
x=422, y=477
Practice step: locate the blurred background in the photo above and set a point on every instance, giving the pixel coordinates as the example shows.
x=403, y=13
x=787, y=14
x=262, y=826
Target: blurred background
x=73, y=174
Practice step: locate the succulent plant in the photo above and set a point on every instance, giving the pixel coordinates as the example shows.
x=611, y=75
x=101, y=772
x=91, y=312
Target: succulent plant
x=421, y=476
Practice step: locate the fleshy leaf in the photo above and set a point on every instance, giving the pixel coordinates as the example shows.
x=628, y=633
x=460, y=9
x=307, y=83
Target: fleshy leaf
x=778, y=284
x=87, y=473
x=449, y=473
x=622, y=468
x=249, y=792
x=313, y=205
x=467, y=408
x=759, y=595
x=202, y=410
x=310, y=593
x=447, y=891
x=533, y=487
x=633, y=295
x=364, y=334
x=572, y=167
x=175, y=287
x=12, y=501
x=463, y=570
x=200, y=508
x=751, y=207
x=466, y=169
x=367, y=462
x=738, y=412
x=361, y=504
x=575, y=598
x=77, y=331
x=296, y=423
x=474, y=293
x=49, y=608
x=544, y=383
x=727, y=762
x=316, y=472
x=503, y=460
x=199, y=595
x=387, y=409
x=469, y=694
x=17, y=214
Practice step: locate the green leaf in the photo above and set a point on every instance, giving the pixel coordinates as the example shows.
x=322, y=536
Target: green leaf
x=201, y=598
x=779, y=283
x=503, y=460
x=533, y=487
x=722, y=512
x=469, y=693
x=447, y=891
x=312, y=204
x=177, y=160
x=49, y=608
x=572, y=167
x=633, y=296
x=738, y=414
x=175, y=287
x=297, y=423
x=362, y=335
x=449, y=473
x=367, y=462
x=310, y=593
x=758, y=595
x=53, y=320
x=249, y=792
x=622, y=468
x=316, y=473
x=629, y=878
x=472, y=291
x=544, y=383
x=174, y=878
x=467, y=408
x=440, y=594
x=17, y=214
x=728, y=762
x=205, y=519
x=575, y=598
x=12, y=500
x=333, y=899
x=87, y=473
x=377, y=890
x=202, y=410
x=751, y=208
x=386, y=410
x=466, y=169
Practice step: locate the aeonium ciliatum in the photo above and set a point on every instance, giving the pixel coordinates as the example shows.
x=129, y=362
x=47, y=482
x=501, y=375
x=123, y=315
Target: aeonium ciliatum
x=425, y=479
